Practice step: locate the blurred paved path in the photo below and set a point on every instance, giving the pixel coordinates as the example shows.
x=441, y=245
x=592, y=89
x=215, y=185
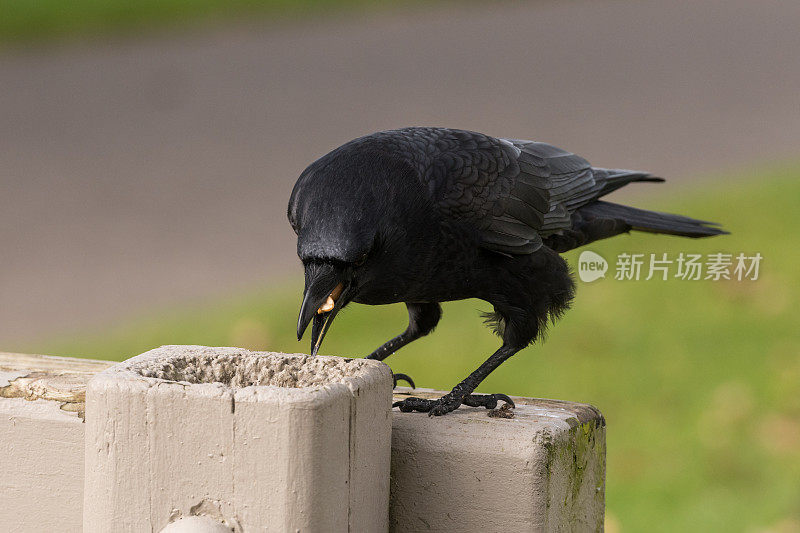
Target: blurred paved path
x=139, y=174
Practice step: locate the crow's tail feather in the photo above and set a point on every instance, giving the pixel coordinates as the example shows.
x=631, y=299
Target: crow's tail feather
x=613, y=179
x=652, y=221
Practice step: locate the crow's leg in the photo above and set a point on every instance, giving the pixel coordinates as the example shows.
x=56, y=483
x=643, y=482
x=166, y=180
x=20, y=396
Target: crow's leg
x=462, y=393
x=535, y=289
x=520, y=329
x=422, y=318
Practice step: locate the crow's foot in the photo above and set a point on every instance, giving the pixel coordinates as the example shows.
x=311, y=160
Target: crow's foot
x=402, y=377
x=448, y=403
x=488, y=401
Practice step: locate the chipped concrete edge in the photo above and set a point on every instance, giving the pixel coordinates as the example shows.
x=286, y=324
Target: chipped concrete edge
x=51, y=378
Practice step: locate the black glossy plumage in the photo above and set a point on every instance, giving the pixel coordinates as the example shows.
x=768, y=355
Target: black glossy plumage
x=425, y=215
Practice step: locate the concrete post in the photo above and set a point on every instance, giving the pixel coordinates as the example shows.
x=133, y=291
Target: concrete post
x=253, y=441
x=41, y=441
x=542, y=469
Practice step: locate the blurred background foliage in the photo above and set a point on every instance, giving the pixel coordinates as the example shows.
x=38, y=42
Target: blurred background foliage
x=699, y=380
x=26, y=21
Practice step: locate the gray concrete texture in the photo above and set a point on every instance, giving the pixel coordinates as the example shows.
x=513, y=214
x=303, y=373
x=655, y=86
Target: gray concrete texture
x=146, y=172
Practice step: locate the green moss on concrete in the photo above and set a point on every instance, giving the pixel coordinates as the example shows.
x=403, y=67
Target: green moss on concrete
x=569, y=457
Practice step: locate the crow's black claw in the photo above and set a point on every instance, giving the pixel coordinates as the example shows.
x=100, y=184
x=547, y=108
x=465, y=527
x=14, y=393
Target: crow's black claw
x=488, y=401
x=444, y=405
x=506, y=399
x=414, y=404
x=403, y=377
x=448, y=403
x=438, y=407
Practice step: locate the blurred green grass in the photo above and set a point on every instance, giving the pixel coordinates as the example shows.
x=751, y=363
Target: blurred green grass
x=699, y=381
x=43, y=20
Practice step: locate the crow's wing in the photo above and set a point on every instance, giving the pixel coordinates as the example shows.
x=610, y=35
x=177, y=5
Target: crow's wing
x=514, y=191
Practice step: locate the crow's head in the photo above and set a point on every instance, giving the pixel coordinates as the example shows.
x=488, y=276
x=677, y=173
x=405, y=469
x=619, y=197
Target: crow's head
x=336, y=210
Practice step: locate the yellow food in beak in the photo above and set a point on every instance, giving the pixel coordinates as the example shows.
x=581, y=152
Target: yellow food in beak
x=331, y=301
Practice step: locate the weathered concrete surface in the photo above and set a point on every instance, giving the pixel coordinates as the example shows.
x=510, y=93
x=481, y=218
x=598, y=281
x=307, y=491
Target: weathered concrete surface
x=542, y=470
x=258, y=441
x=196, y=524
x=41, y=441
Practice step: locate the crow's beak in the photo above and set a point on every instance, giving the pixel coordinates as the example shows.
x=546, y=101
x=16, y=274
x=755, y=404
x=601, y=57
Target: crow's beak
x=324, y=296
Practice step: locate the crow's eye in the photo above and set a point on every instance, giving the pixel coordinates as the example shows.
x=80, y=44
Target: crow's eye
x=361, y=260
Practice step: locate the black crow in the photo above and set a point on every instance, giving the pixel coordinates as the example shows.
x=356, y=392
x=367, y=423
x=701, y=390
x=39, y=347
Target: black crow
x=427, y=215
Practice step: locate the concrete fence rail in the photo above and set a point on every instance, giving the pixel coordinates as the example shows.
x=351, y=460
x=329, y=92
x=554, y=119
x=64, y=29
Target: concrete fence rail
x=191, y=438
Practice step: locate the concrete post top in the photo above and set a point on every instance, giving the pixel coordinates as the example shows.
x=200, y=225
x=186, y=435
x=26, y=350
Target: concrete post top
x=249, y=376
x=532, y=415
